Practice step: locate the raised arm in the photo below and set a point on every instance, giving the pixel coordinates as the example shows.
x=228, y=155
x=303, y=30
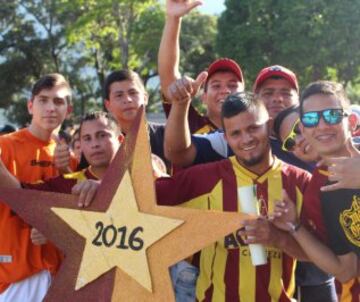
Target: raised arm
x=169, y=51
x=177, y=143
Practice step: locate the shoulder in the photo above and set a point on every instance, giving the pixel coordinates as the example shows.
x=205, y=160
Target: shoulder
x=79, y=175
x=17, y=136
x=152, y=126
x=214, y=140
x=295, y=175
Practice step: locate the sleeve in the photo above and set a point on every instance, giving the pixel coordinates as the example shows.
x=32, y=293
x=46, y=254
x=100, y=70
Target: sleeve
x=194, y=183
x=210, y=147
x=56, y=184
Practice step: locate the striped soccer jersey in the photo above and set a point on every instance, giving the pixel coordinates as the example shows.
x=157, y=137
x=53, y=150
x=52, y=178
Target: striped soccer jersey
x=226, y=272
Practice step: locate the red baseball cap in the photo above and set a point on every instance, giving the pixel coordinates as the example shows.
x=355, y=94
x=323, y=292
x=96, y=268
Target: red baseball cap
x=276, y=70
x=225, y=64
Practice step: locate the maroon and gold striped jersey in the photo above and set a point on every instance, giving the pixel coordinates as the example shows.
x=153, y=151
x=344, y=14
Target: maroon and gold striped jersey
x=226, y=271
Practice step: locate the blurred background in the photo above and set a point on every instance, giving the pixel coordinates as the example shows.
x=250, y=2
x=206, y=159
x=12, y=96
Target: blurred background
x=86, y=39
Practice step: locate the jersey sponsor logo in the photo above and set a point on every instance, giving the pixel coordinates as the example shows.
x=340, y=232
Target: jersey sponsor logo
x=41, y=163
x=350, y=221
x=5, y=258
x=233, y=241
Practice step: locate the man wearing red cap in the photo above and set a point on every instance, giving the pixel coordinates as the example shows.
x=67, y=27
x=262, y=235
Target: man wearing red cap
x=278, y=88
x=224, y=76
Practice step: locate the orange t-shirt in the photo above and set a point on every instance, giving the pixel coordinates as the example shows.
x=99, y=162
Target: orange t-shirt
x=30, y=160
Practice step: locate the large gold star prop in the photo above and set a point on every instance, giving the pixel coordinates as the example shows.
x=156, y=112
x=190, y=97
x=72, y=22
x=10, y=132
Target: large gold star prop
x=117, y=238
x=111, y=273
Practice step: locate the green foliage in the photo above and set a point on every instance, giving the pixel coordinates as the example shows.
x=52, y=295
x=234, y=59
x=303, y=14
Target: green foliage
x=317, y=39
x=197, y=42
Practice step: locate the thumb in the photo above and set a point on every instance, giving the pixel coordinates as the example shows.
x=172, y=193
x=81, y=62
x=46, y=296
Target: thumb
x=354, y=152
x=194, y=4
x=200, y=79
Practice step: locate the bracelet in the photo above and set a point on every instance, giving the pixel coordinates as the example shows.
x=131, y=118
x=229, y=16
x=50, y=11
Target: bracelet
x=294, y=227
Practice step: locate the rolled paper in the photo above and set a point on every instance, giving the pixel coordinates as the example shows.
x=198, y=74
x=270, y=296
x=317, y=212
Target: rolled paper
x=249, y=204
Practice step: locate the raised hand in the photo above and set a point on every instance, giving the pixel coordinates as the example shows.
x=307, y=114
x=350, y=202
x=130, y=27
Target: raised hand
x=182, y=90
x=343, y=171
x=179, y=8
x=36, y=237
x=284, y=216
x=62, y=155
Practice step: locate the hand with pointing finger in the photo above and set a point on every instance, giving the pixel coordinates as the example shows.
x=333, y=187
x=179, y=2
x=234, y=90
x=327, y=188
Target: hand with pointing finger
x=343, y=171
x=182, y=90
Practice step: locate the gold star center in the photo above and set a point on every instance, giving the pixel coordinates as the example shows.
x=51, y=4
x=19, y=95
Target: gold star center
x=118, y=237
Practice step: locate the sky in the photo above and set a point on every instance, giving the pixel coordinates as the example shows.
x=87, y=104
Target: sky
x=213, y=7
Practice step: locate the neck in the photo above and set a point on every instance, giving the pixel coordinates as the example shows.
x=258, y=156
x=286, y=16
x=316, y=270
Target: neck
x=42, y=134
x=215, y=119
x=99, y=172
x=125, y=126
x=260, y=168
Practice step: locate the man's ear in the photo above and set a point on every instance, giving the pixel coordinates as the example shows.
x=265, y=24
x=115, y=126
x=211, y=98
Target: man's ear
x=269, y=124
x=146, y=98
x=30, y=105
x=69, y=109
x=203, y=98
x=107, y=104
x=353, y=122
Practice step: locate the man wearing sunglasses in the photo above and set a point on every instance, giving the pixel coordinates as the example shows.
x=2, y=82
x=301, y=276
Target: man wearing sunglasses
x=325, y=124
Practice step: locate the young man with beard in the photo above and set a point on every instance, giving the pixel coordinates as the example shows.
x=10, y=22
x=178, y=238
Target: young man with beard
x=28, y=154
x=224, y=76
x=225, y=269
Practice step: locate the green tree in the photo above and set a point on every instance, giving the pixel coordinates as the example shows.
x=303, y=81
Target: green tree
x=317, y=39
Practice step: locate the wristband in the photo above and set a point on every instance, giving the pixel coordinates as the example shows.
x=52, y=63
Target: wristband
x=294, y=227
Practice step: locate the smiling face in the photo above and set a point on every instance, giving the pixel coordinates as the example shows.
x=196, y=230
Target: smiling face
x=327, y=140
x=247, y=134
x=219, y=86
x=302, y=149
x=277, y=95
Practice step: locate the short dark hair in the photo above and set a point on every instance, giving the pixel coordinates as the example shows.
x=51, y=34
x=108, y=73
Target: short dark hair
x=238, y=102
x=92, y=116
x=119, y=76
x=50, y=81
x=280, y=118
x=326, y=88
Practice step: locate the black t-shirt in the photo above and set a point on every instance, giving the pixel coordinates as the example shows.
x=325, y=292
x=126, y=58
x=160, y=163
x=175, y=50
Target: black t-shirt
x=341, y=212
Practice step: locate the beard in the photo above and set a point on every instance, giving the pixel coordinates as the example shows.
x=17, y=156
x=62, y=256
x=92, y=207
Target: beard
x=252, y=161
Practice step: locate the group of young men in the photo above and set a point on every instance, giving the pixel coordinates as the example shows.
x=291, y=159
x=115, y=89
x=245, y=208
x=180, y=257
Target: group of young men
x=241, y=136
